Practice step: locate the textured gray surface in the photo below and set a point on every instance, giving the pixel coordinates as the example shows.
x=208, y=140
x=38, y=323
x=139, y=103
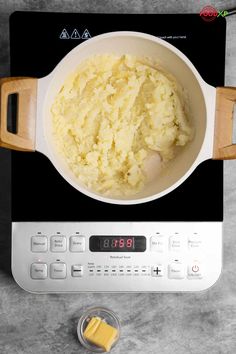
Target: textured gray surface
x=160, y=324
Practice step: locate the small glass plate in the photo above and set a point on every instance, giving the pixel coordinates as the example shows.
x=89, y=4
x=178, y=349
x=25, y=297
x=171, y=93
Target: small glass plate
x=107, y=316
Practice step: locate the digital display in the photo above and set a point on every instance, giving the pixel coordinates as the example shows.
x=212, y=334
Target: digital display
x=120, y=243
x=117, y=243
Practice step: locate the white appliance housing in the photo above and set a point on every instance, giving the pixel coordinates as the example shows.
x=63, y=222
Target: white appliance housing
x=49, y=257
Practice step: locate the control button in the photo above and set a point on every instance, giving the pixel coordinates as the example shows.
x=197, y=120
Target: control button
x=195, y=271
x=194, y=242
x=158, y=271
x=176, y=270
x=77, y=243
x=39, y=244
x=39, y=271
x=58, y=270
x=176, y=243
x=77, y=270
x=58, y=243
x=157, y=243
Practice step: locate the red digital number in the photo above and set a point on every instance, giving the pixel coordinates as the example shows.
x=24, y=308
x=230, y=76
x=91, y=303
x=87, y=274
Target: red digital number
x=121, y=243
x=114, y=243
x=129, y=243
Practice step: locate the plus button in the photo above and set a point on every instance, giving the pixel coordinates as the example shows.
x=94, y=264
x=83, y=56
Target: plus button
x=157, y=271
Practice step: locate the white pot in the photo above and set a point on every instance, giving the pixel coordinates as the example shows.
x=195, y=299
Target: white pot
x=211, y=110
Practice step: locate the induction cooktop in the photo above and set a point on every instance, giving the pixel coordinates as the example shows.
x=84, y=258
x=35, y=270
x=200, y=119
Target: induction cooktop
x=38, y=42
x=66, y=241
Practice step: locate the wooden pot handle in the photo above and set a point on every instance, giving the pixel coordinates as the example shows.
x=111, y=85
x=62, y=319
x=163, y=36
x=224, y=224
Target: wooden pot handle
x=26, y=90
x=224, y=149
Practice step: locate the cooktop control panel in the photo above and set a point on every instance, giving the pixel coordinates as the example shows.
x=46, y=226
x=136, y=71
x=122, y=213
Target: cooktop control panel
x=116, y=257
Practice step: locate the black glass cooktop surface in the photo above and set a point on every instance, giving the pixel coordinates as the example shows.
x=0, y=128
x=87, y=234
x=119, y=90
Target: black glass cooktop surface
x=38, y=42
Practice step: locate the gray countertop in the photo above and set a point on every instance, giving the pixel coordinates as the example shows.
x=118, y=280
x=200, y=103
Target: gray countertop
x=151, y=323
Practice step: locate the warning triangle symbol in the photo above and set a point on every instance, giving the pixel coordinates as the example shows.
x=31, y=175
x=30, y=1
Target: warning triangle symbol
x=86, y=34
x=75, y=34
x=64, y=34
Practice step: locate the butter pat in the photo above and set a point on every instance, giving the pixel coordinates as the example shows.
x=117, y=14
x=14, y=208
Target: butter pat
x=100, y=333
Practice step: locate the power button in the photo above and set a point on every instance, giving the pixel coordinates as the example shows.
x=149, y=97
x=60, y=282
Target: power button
x=195, y=270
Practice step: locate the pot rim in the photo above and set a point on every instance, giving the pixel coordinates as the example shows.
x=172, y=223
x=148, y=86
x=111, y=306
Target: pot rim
x=43, y=146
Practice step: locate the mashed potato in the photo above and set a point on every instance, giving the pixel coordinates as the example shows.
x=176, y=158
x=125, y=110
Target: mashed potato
x=111, y=115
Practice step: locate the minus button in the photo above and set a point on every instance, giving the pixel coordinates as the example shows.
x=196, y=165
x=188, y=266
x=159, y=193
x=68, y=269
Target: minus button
x=77, y=271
